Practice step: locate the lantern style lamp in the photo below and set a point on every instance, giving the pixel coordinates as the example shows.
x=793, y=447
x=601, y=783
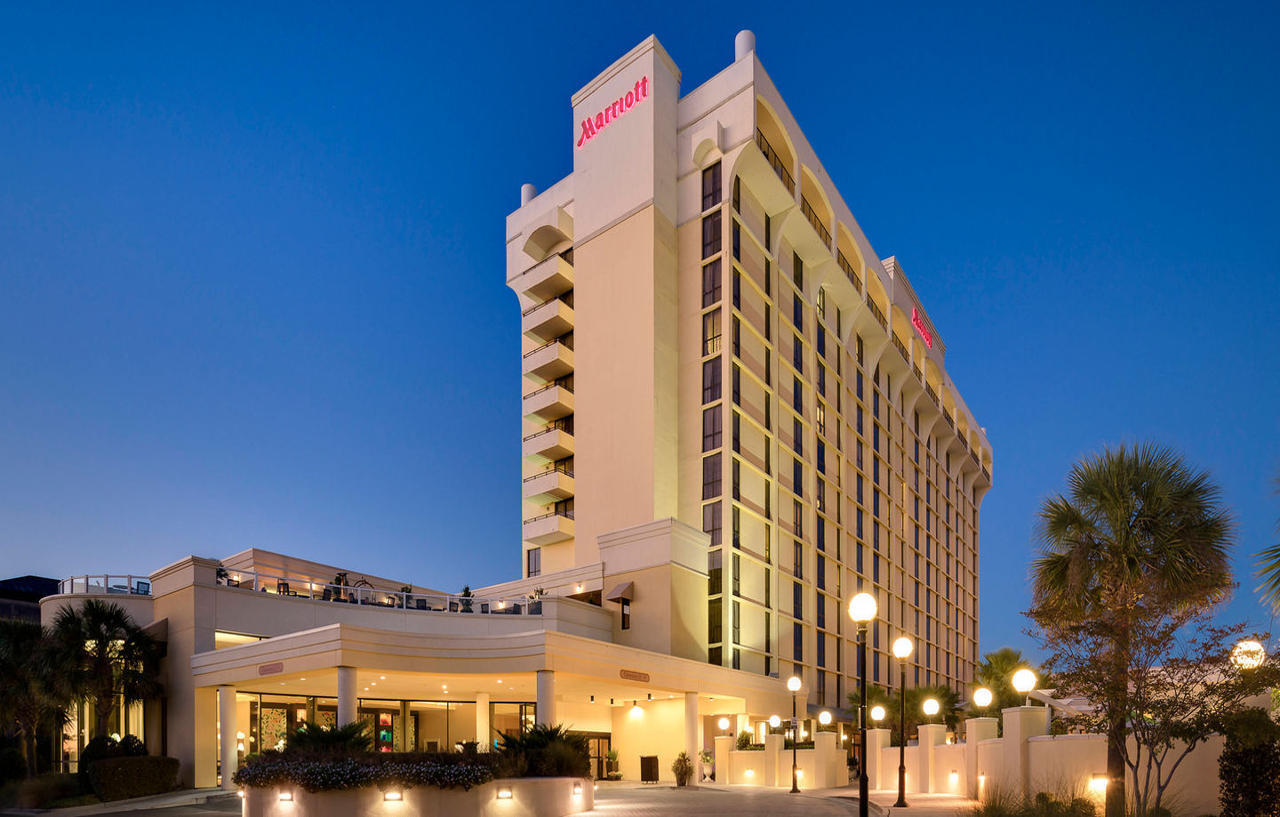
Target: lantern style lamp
x=1024, y=680
x=902, y=649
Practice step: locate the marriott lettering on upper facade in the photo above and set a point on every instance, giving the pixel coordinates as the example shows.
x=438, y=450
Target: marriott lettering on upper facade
x=918, y=323
x=594, y=124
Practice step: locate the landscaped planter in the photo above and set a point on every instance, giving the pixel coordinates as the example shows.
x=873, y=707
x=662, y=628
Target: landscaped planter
x=529, y=797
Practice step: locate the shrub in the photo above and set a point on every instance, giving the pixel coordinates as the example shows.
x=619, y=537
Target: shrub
x=105, y=747
x=119, y=778
x=39, y=792
x=744, y=740
x=1249, y=766
x=682, y=768
x=544, y=751
x=997, y=803
x=328, y=772
x=12, y=765
x=330, y=740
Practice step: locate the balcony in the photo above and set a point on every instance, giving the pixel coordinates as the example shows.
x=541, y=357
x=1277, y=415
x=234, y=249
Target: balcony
x=877, y=314
x=549, y=528
x=548, y=278
x=548, y=486
x=547, y=320
x=849, y=271
x=775, y=161
x=547, y=445
x=547, y=362
x=551, y=402
x=109, y=583
x=815, y=221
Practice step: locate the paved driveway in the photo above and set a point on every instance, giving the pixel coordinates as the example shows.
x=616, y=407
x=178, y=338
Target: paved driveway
x=643, y=801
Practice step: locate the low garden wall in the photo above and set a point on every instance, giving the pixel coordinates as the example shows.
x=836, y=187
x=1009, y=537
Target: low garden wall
x=821, y=767
x=511, y=797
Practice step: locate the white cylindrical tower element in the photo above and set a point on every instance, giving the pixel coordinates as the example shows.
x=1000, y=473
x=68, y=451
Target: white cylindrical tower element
x=527, y=192
x=743, y=44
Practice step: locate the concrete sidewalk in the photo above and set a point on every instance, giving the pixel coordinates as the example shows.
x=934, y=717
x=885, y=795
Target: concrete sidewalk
x=182, y=797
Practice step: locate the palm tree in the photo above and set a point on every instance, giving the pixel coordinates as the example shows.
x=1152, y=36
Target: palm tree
x=948, y=707
x=351, y=738
x=1268, y=565
x=31, y=695
x=995, y=672
x=1137, y=527
x=106, y=658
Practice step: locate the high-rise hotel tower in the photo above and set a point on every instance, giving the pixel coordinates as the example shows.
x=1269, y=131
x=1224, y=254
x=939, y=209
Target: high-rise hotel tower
x=709, y=337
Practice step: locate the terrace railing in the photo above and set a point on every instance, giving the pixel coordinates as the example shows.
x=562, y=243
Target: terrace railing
x=107, y=583
x=775, y=161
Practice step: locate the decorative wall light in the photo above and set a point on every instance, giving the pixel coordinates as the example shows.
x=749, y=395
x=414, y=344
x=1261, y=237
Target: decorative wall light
x=504, y=792
x=393, y=796
x=286, y=797
x=577, y=788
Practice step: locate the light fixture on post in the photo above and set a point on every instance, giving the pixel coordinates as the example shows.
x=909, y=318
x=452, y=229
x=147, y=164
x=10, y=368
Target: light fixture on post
x=930, y=707
x=982, y=697
x=902, y=649
x=1248, y=654
x=793, y=686
x=1024, y=680
x=877, y=713
x=824, y=718
x=723, y=723
x=862, y=609
x=774, y=721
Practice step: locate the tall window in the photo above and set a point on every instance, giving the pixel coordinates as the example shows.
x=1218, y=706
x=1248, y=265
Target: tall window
x=711, y=237
x=711, y=380
x=711, y=523
x=797, y=271
x=711, y=283
x=797, y=644
x=797, y=600
x=711, y=332
x=711, y=478
x=715, y=626
x=711, y=186
x=797, y=478
x=711, y=428
x=798, y=561
x=533, y=562
x=713, y=573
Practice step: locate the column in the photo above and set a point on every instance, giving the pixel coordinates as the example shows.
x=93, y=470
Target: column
x=403, y=744
x=1020, y=724
x=346, y=695
x=776, y=772
x=692, y=744
x=976, y=730
x=484, y=741
x=929, y=735
x=826, y=754
x=723, y=744
x=546, y=697
x=227, y=734
x=879, y=773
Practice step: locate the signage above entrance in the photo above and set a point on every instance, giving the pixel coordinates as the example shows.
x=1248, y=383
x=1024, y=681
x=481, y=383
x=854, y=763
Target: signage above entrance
x=594, y=124
x=632, y=675
x=918, y=323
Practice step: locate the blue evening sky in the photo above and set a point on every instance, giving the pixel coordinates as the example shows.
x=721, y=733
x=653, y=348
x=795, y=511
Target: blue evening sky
x=251, y=263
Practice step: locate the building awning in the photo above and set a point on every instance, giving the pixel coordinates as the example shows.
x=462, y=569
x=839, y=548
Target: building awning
x=623, y=592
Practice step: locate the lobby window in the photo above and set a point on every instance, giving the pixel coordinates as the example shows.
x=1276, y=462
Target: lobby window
x=714, y=561
x=626, y=614
x=711, y=186
x=711, y=234
x=711, y=522
x=533, y=562
x=711, y=380
x=711, y=477
x=711, y=283
x=711, y=428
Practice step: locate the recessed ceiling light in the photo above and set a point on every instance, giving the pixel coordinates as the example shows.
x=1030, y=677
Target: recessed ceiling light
x=382, y=677
x=302, y=679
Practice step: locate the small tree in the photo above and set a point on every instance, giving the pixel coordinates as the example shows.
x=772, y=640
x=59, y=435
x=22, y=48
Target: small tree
x=105, y=657
x=1249, y=766
x=995, y=672
x=682, y=768
x=32, y=694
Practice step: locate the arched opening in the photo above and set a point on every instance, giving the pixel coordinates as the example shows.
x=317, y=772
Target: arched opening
x=878, y=300
x=848, y=257
x=813, y=203
x=773, y=142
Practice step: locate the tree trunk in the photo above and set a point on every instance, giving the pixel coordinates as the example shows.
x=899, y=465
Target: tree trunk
x=102, y=707
x=27, y=744
x=1117, y=771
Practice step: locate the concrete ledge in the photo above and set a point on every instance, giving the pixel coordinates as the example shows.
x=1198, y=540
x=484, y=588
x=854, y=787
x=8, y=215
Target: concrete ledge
x=513, y=797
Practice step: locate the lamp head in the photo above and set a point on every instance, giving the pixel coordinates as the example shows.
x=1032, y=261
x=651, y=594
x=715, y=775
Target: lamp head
x=902, y=647
x=931, y=707
x=824, y=717
x=862, y=608
x=877, y=713
x=982, y=697
x=794, y=683
x=1024, y=680
x=723, y=724
x=1248, y=654
x=775, y=721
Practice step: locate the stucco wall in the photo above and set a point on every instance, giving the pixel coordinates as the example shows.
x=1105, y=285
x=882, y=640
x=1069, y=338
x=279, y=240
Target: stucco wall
x=530, y=797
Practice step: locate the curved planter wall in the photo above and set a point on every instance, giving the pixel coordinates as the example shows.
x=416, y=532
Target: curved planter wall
x=530, y=797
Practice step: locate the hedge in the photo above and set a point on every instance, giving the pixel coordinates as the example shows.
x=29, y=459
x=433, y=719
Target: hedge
x=120, y=778
x=329, y=773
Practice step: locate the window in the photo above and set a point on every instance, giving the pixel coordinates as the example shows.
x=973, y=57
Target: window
x=737, y=431
x=797, y=395
x=715, y=627
x=711, y=333
x=711, y=428
x=737, y=583
x=822, y=456
x=626, y=614
x=711, y=380
x=820, y=572
x=711, y=478
x=797, y=479
x=797, y=270
x=711, y=283
x=737, y=384
x=820, y=653
x=713, y=573
x=737, y=194
x=737, y=337
x=797, y=312
x=711, y=235
x=797, y=600
x=822, y=333
x=797, y=436
x=736, y=469
x=711, y=186
x=736, y=521
x=798, y=561
x=797, y=511
x=533, y=562
x=737, y=288
x=797, y=353
x=737, y=241
x=711, y=523
x=797, y=644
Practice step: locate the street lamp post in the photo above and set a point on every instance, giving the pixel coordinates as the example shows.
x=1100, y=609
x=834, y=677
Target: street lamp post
x=793, y=684
x=862, y=609
x=902, y=648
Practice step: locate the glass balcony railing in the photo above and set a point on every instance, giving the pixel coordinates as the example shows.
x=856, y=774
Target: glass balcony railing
x=124, y=584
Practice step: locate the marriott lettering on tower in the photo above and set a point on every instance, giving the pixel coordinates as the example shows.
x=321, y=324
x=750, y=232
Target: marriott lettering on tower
x=594, y=124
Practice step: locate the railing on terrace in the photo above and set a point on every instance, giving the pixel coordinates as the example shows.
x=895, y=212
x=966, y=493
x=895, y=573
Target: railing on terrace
x=294, y=587
x=554, y=384
x=107, y=583
x=540, y=517
x=933, y=395
x=877, y=314
x=564, y=424
x=815, y=221
x=849, y=271
x=986, y=473
x=538, y=306
x=947, y=417
x=916, y=371
x=556, y=469
x=549, y=343
x=901, y=347
x=775, y=162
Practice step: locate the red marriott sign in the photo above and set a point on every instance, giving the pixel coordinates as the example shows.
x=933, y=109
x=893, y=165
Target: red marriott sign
x=918, y=323
x=594, y=124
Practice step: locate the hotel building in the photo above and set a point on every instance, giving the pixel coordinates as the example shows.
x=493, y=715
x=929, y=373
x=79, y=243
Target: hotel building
x=736, y=416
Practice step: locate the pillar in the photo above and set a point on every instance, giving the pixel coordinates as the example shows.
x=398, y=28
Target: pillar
x=774, y=774
x=879, y=775
x=546, y=697
x=976, y=730
x=227, y=734
x=826, y=754
x=403, y=744
x=1020, y=724
x=929, y=735
x=692, y=742
x=723, y=744
x=347, y=696
x=484, y=741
